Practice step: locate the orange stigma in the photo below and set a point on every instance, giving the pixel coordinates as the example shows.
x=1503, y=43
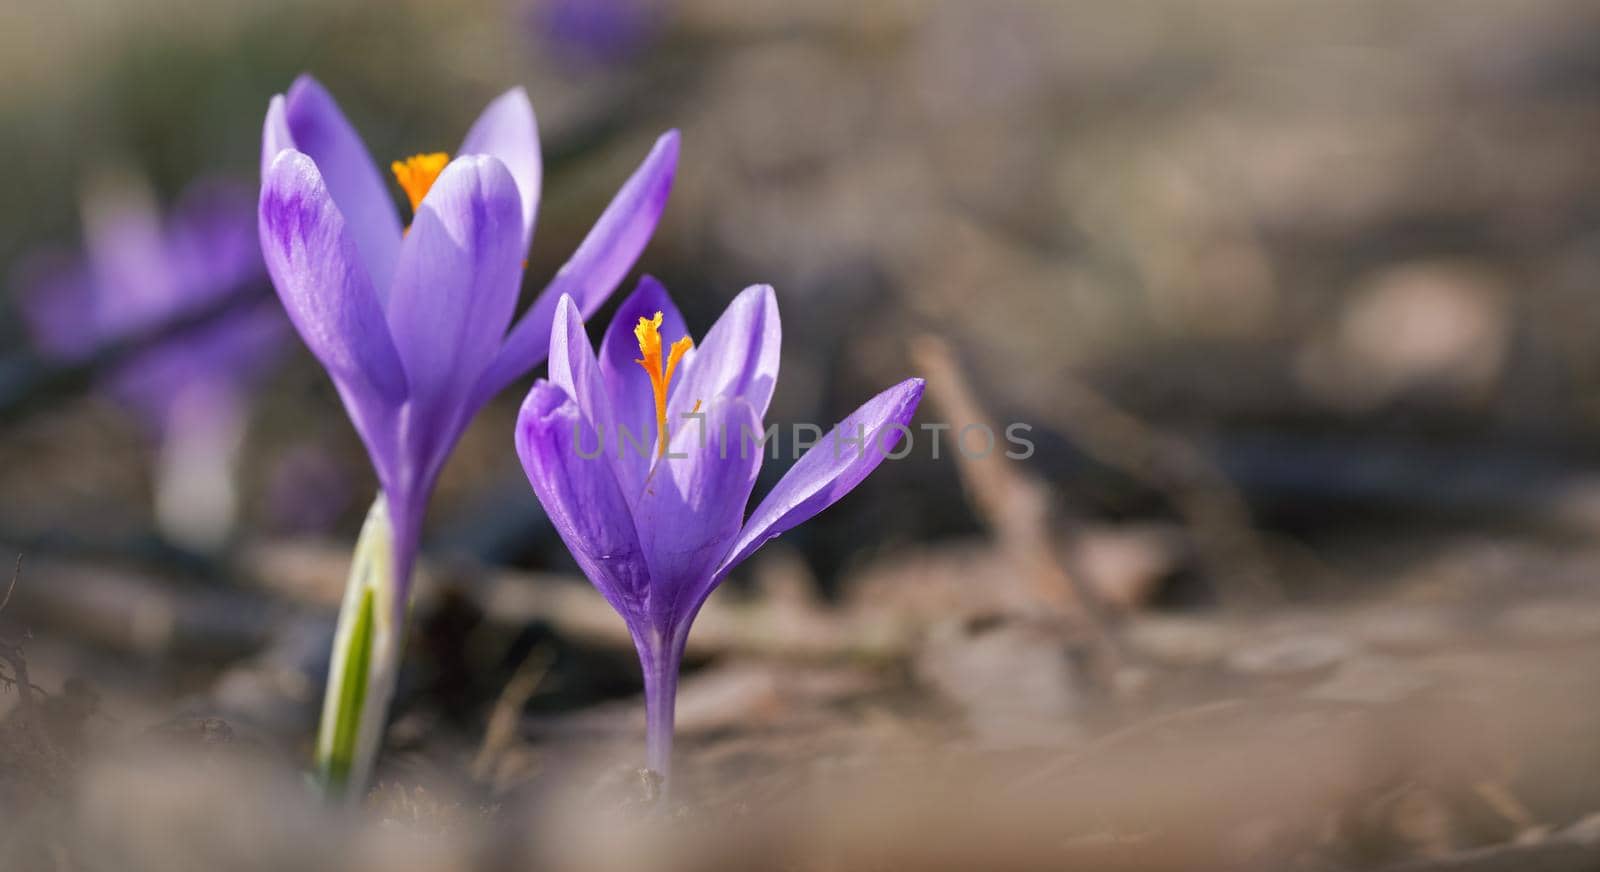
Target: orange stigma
x=417, y=173
x=648, y=332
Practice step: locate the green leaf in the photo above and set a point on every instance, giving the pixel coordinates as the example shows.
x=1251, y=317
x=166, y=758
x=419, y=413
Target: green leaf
x=352, y=696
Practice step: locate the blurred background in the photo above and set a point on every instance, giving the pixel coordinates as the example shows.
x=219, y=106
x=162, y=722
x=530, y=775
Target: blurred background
x=1297, y=300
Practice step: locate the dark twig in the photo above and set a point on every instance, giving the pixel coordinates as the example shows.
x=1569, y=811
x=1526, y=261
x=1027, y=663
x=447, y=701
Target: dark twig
x=11, y=655
x=28, y=383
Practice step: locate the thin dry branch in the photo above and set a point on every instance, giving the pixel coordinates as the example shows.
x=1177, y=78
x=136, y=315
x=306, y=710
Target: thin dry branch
x=1012, y=504
x=27, y=383
x=11, y=655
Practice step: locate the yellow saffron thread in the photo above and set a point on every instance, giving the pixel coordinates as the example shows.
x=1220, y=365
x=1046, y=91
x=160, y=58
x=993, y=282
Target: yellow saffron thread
x=648, y=332
x=417, y=173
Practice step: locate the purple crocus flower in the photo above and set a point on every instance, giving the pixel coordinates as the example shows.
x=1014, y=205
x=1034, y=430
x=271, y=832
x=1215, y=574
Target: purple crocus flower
x=411, y=323
x=656, y=530
x=138, y=272
x=587, y=34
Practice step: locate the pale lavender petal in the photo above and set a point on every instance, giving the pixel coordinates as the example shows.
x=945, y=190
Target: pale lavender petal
x=632, y=400
x=508, y=130
x=318, y=274
x=242, y=344
x=455, y=290
x=573, y=368
x=582, y=499
x=693, y=504
x=275, y=135
x=595, y=269
x=127, y=256
x=831, y=469
x=227, y=353
x=739, y=356
x=212, y=241
x=319, y=129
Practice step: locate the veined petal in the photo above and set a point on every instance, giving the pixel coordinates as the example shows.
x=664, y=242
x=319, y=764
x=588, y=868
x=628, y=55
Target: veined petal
x=595, y=269
x=738, y=357
x=831, y=469
x=582, y=499
x=693, y=503
x=508, y=130
x=319, y=129
x=573, y=368
x=628, y=386
x=325, y=291
x=455, y=290
x=319, y=277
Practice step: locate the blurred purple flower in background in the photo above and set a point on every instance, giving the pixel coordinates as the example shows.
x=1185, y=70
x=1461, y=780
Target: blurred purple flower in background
x=596, y=33
x=138, y=273
x=411, y=324
x=656, y=530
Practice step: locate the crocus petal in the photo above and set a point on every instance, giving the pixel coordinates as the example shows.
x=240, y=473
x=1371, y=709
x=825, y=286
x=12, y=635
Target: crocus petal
x=319, y=129
x=573, y=368
x=275, y=134
x=126, y=249
x=318, y=274
x=831, y=469
x=215, y=252
x=212, y=241
x=455, y=290
x=508, y=130
x=582, y=499
x=693, y=503
x=595, y=269
x=739, y=356
x=632, y=402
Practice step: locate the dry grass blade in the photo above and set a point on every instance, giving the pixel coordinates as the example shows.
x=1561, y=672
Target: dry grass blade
x=16, y=572
x=501, y=733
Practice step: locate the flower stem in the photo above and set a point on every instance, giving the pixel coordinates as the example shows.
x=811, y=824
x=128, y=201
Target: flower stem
x=660, y=660
x=660, y=702
x=366, y=656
